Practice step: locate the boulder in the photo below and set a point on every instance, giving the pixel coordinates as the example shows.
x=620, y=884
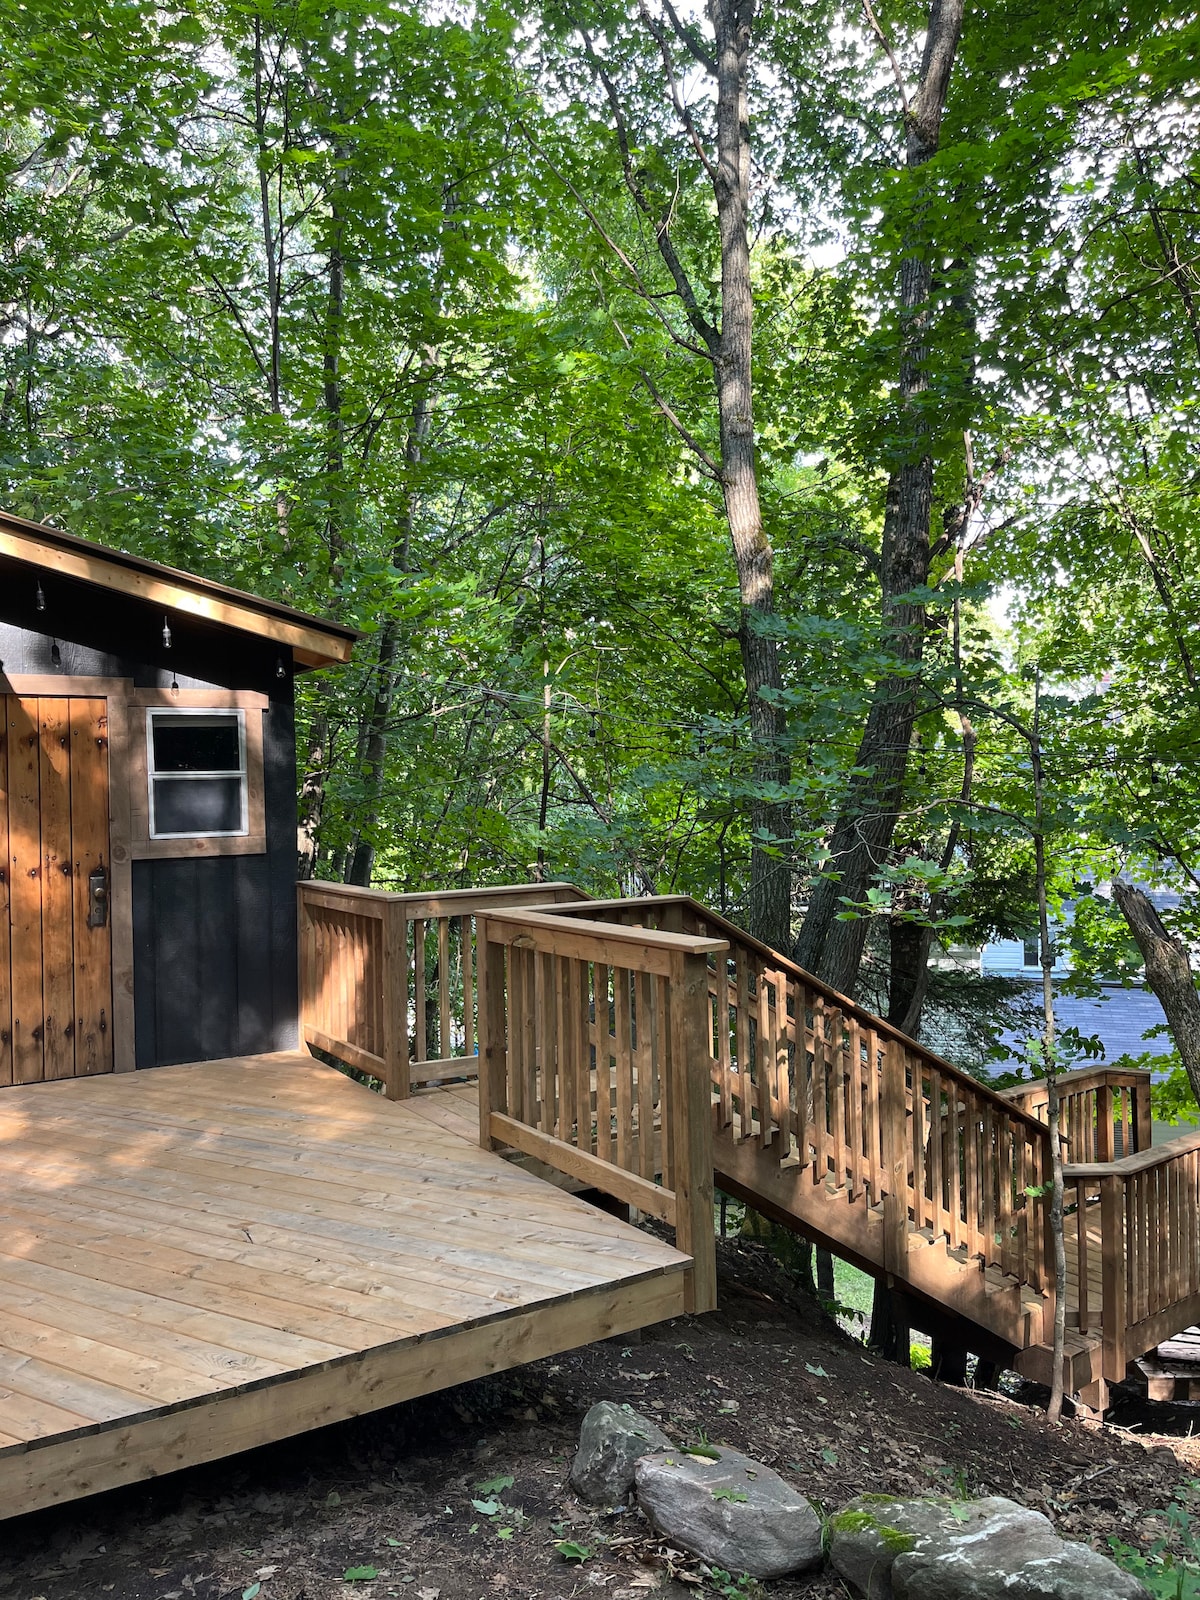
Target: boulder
x=610, y=1441
x=990, y=1549
x=731, y=1511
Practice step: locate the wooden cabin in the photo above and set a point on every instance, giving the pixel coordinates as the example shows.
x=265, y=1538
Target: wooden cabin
x=149, y=914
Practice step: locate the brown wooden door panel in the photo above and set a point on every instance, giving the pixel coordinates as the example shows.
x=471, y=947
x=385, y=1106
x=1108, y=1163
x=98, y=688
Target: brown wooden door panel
x=89, y=834
x=6, y=1052
x=55, y=968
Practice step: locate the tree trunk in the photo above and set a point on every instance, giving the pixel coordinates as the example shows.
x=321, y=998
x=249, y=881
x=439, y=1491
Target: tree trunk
x=890, y=1335
x=1169, y=974
x=376, y=732
x=1050, y=1068
x=770, y=819
x=862, y=833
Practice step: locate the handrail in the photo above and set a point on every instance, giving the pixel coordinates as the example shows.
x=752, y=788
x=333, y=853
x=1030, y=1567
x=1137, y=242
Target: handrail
x=1079, y=1078
x=783, y=963
x=592, y=1052
x=824, y=1087
x=1141, y=1161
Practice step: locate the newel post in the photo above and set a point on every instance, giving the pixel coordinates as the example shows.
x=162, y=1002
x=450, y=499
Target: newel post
x=395, y=1001
x=306, y=964
x=893, y=1117
x=691, y=1116
x=493, y=1030
x=1114, y=1269
x=1143, y=1133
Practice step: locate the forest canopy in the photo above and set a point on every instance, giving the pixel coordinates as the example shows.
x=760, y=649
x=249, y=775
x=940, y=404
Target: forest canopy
x=748, y=436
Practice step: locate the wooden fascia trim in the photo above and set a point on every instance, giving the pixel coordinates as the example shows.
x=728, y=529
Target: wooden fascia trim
x=313, y=647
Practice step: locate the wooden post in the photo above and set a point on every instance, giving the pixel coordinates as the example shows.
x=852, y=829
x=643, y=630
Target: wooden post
x=493, y=1031
x=1114, y=1270
x=1106, y=1133
x=395, y=1001
x=306, y=964
x=1049, y=1276
x=895, y=1165
x=691, y=1116
x=1142, y=1130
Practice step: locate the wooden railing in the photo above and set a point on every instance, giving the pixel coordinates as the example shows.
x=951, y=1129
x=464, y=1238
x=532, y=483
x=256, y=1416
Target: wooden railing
x=817, y=1081
x=593, y=1041
x=387, y=981
x=1104, y=1112
x=617, y=1035
x=1138, y=1262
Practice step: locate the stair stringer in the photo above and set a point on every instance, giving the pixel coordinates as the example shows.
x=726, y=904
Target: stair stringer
x=1005, y=1312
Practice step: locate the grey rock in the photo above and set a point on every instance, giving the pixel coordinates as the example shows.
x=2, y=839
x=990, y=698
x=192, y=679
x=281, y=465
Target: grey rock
x=610, y=1441
x=732, y=1512
x=991, y=1549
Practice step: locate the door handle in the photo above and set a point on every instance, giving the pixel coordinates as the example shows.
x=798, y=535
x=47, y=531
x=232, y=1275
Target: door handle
x=98, y=897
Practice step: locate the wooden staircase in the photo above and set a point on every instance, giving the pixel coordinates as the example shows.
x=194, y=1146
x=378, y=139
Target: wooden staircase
x=651, y=1048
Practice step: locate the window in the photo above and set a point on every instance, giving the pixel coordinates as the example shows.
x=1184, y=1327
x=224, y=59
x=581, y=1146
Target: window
x=196, y=764
x=1030, y=954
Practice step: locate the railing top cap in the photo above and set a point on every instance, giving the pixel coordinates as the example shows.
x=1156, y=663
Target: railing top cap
x=1141, y=1161
x=612, y=932
x=1078, y=1079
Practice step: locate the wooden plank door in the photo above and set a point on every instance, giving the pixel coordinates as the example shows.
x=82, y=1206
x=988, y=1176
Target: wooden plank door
x=55, y=881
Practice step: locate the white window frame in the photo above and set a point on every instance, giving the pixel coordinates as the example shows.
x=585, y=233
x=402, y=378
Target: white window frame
x=153, y=777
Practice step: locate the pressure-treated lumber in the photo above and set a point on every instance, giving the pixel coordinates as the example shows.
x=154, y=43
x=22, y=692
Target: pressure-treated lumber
x=200, y=1259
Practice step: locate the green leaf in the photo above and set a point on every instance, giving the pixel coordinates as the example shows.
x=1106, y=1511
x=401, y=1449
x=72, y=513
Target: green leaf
x=570, y=1551
x=360, y=1574
x=487, y=1508
x=494, y=1485
x=817, y=1371
x=249, y=1594
x=730, y=1494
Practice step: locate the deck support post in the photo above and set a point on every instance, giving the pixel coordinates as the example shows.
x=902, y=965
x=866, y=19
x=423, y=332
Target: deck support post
x=493, y=1032
x=691, y=1106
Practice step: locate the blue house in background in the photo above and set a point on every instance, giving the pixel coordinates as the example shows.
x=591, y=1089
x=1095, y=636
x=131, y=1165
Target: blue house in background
x=1119, y=1017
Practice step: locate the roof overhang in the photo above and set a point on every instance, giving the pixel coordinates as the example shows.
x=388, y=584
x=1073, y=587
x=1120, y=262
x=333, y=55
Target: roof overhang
x=313, y=641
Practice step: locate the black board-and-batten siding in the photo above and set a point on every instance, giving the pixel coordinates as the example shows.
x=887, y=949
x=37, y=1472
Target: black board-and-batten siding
x=214, y=938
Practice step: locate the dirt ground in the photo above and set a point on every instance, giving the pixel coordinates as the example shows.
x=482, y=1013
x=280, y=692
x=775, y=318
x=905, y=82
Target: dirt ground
x=465, y=1494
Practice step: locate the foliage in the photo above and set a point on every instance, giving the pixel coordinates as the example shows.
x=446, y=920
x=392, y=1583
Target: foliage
x=328, y=304
x=1170, y=1568
x=1172, y=1099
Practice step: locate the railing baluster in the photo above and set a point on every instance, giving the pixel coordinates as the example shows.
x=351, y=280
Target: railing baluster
x=745, y=1088
x=854, y=1110
x=724, y=1065
x=644, y=1061
x=783, y=1094
x=820, y=1089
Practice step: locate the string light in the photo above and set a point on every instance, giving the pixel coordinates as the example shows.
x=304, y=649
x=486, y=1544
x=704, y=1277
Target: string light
x=166, y=634
x=39, y=598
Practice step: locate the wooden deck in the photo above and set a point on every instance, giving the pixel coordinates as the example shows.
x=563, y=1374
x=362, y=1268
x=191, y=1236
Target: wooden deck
x=200, y=1259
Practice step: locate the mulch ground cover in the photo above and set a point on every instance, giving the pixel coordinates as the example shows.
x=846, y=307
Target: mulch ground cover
x=465, y=1494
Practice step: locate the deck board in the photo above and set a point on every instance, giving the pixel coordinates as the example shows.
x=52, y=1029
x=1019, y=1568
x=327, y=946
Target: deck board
x=197, y=1259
